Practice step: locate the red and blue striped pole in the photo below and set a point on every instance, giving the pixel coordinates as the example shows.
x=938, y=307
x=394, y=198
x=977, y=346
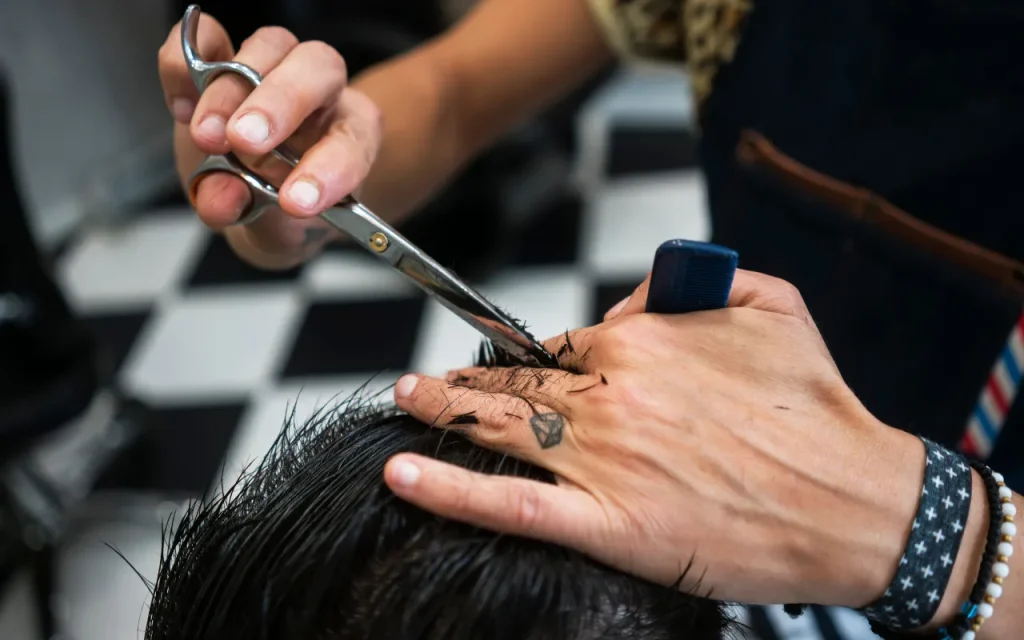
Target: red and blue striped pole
x=996, y=397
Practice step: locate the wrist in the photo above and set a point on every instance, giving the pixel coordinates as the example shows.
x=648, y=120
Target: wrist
x=873, y=564
x=864, y=551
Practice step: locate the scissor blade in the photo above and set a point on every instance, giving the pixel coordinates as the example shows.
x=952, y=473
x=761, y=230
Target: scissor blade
x=380, y=239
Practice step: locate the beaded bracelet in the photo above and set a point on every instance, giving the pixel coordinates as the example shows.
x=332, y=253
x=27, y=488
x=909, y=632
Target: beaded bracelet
x=996, y=565
x=962, y=622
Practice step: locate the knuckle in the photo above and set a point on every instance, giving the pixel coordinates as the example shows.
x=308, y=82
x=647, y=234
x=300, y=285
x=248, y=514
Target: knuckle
x=486, y=381
x=790, y=292
x=326, y=56
x=785, y=291
x=525, y=506
x=461, y=497
x=497, y=429
x=374, y=117
x=362, y=135
x=275, y=37
x=619, y=337
x=518, y=381
x=169, y=55
x=793, y=300
x=625, y=397
x=435, y=401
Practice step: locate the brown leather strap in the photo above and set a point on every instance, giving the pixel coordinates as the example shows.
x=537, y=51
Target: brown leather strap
x=869, y=208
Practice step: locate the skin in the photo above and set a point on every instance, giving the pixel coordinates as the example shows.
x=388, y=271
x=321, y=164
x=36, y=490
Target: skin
x=394, y=136
x=724, y=460
x=748, y=454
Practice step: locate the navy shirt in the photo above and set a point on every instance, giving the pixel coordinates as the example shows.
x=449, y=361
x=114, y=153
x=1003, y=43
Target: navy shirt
x=922, y=103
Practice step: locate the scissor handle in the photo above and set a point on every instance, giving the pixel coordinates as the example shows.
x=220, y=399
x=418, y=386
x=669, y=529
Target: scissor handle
x=203, y=73
x=263, y=195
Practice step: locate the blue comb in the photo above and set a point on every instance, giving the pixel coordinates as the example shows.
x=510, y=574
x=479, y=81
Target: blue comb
x=690, y=276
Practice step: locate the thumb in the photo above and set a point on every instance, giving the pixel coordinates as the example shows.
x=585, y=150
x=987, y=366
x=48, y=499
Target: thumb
x=636, y=302
x=754, y=290
x=750, y=289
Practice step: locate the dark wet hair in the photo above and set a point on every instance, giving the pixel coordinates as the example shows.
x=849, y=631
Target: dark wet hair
x=312, y=545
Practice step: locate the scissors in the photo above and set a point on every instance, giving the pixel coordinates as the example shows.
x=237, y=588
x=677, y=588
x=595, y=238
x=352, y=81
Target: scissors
x=356, y=221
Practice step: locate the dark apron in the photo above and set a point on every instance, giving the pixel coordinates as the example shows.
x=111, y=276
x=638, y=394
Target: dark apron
x=924, y=108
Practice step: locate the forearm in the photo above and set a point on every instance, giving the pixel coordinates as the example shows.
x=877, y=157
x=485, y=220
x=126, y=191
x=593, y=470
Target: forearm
x=422, y=146
x=449, y=99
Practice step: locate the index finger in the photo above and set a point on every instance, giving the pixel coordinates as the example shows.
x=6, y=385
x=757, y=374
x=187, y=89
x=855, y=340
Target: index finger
x=574, y=349
x=516, y=506
x=180, y=92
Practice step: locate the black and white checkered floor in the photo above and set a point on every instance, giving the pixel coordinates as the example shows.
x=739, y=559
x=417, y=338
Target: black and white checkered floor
x=216, y=347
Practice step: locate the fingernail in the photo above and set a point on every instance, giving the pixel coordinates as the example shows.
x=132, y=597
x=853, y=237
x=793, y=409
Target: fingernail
x=405, y=473
x=182, y=110
x=406, y=385
x=211, y=128
x=617, y=309
x=253, y=127
x=304, y=193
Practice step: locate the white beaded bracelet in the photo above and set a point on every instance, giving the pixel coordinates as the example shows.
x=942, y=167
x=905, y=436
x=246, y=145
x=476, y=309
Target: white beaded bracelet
x=1001, y=566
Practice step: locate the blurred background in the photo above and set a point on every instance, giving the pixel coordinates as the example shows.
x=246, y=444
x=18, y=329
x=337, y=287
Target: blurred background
x=143, y=363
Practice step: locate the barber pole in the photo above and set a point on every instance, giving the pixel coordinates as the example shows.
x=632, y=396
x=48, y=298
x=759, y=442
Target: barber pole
x=996, y=397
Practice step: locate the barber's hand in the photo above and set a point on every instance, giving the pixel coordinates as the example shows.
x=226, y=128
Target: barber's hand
x=726, y=438
x=753, y=290
x=303, y=102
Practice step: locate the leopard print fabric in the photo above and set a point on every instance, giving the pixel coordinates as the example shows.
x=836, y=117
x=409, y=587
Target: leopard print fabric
x=702, y=34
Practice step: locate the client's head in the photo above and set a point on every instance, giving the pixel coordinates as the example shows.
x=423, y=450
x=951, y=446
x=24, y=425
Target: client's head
x=311, y=545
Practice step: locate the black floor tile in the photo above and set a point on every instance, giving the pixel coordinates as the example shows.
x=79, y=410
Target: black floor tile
x=636, y=150
x=116, y=334
x=552, y=237
x=356, y=337
x=219, y=266
x=608, y=295
x=180, y=449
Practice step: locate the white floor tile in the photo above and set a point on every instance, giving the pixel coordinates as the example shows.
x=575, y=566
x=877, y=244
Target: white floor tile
x=101, y=596
x=550, y=301
x=628, y=220
x=852, y=625
x=130, y=267
x=268, y=413
x=222, y=342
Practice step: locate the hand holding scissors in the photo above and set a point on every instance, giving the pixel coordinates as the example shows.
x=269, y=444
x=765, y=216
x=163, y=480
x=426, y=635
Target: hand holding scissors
x=353, y=219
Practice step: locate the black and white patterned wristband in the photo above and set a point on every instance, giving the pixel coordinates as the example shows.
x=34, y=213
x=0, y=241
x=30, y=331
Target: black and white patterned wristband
x=913, y=596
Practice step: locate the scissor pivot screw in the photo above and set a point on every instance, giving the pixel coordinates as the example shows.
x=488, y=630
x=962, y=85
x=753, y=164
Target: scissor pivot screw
x=379, y=242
